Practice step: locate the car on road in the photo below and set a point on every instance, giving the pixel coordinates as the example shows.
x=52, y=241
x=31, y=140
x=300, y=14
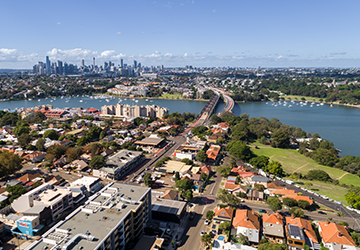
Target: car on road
x=321, y=212
x=202, y=233
x=206, y=222
x=36, y=168
x=80, y=175
x=67, y=172
x=262, y=211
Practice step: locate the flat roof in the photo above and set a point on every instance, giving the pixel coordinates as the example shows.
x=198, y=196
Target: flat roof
x=97, y=224
x=148, y=242
x=167, y=206
x=175, y=166
x=150, y=141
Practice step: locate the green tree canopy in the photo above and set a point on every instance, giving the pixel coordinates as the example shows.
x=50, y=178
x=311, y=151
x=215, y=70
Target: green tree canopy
x=239, y=150
x=97, y=162
x=281, y=138
x=274, y=203
x=9, y=163
x=274, y=167
x=290, y=202
x=259, y=161
x=40, y=144
x=317, y=174
x=201, y=156
x=51, y=134
x=147, y=179
x=224, y=170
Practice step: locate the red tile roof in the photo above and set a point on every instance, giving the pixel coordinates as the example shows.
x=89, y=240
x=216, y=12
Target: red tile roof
x=334, y=233
x=246, y=218
x=305, y=225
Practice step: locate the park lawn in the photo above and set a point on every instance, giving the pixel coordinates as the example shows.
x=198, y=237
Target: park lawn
x=350, y=179
x=292, y=161
x=327, y=189
x=171, y=96
x=307, y=98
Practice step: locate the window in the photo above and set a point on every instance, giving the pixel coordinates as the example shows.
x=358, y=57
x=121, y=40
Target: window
x=223, y=213
x=290, y=241
x=298, y=243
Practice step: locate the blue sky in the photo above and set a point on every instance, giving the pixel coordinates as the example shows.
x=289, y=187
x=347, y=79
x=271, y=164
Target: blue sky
x=239, y=33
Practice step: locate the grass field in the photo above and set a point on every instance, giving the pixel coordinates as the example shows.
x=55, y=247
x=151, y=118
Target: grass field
x=307, y=98
x=171, y=96
x=292, y=161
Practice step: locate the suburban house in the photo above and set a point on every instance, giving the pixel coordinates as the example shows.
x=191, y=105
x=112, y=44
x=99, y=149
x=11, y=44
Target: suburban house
x=257, y=179
x=247, y=223
x=335, y=236
x=35, y=156
x=213, y=153
x=273, y=228
x=295, y=237
x=170, y=195
x=223, y=214
x=255, y=195
x=307, y=229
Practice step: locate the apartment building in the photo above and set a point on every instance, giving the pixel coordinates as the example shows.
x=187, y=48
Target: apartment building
x=129, y=111
x=109, y=220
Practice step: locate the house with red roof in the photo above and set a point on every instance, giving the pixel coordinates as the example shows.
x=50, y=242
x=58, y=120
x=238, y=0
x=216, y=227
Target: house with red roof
x=35, y=156
x=223, y=214
x=213, y=153
x=247, y=222
x=273, y=228
x=307, y=230
x=206, y=169
x=335, y=236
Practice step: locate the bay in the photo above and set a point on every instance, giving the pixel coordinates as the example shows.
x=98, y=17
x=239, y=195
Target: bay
x=339, y=124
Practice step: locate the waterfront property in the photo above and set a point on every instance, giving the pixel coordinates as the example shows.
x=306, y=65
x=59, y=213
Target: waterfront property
x=128, y=111
x=111, y=219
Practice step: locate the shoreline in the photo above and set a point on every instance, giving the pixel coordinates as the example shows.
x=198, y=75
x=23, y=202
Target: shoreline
x=155, y=98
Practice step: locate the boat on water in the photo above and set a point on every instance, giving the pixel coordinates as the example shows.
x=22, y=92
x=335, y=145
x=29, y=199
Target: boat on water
x=133, y=99
x=107, y=100
x=30, y=99
x=321, y=104
x=81, y=101
x=136, y=100
x=51, y=100
x=67, y=101
x=146, y=99
x=311, y=106
x=331, y=105
x=290, y=106
x=38, y=100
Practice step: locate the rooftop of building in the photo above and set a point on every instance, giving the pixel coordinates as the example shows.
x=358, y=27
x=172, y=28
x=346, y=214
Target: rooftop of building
x=106, y=209
x=167, y=206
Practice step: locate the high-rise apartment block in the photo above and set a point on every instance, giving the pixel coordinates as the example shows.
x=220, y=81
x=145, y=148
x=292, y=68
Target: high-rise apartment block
x=128, y=111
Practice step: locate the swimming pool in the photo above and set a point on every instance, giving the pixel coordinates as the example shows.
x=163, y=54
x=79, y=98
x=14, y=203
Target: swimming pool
x=221, y=237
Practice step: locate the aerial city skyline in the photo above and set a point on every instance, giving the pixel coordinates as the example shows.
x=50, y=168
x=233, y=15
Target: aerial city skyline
x=178, y=33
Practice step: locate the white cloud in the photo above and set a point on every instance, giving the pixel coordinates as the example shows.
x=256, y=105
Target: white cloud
x=58, y=23
x=119, y=33
x=214, y=11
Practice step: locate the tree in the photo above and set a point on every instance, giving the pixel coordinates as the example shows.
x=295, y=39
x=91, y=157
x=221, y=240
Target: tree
x=232, y=162
x=94, y=132
x=185, y=188
x=82, y=140
x=203, y=176
x=177, y=176
x=239, y=150
x=147, y=179
x=73, y=153
x=281, y=138
x=224, y=170
x=274, y=167
x=296, y=211
x=97, y=162
x=272, y=246
x=9, y=163
x=214, y=119
x=259, y=187
x=94, y=148
x=187, y=161
x=317, y=174
x=22, y=129
x=51, y=134
x=102, y=135
x=308, y=185
x=206, y=239
x=24, y=140
x=225, y=226
x=228, y=198
x=274, y=203
x=187, y=195
x=260, y=161
x=15, y=192
x=304, y=204
x=210, y=215
x=40, y=144
x=290, y=202
x=57, y=150
x=244, y=240
x=201, y=156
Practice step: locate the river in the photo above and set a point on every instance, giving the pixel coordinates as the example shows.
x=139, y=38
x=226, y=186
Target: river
x=339, y=124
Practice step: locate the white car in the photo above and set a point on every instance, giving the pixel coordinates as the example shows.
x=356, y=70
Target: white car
x=206, y=222
x=36, y=168
x=80, y=175
x=202, y=233
x=67, y=172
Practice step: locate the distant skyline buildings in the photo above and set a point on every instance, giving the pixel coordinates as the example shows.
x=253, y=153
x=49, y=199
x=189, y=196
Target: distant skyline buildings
x=109, y=68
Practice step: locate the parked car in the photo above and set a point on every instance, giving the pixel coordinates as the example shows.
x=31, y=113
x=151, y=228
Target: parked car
x=321, y=212
x=206, y=222
x=36, y=168
x=202, y=233
x=262, y=211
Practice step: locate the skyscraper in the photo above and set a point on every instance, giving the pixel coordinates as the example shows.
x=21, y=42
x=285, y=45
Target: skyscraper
x=135, y=64
x=48, y=71
x=60, y=68
x=122, y=63
x=82, y=63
